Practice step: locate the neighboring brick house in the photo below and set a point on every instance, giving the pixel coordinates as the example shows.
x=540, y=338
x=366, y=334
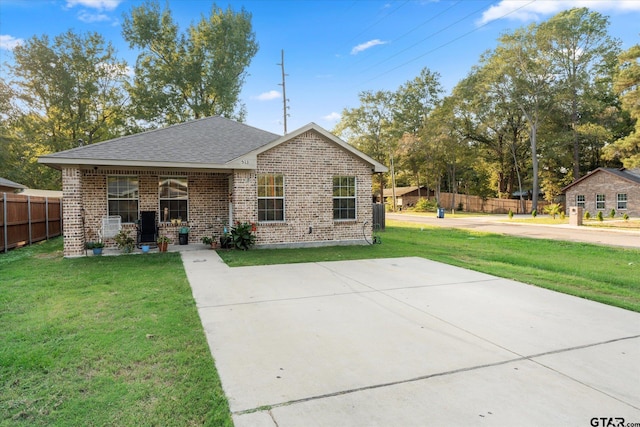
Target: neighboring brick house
x=305, y=188
x=604, y=189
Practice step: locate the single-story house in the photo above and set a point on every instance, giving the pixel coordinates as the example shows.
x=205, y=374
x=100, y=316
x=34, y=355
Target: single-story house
x=304, y=188
x=8, y=186
x=407, y=196
x=604, y=189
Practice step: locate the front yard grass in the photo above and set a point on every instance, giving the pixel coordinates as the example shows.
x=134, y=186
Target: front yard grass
x=102, y=341
x=600, y=273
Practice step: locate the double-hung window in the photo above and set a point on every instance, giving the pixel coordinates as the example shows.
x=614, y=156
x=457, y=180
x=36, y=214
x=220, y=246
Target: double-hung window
x=580, y=201
x=122, y=197
x=174, y=197
x=344, y=197
x=622, y=201
x=270, y=197
x=600, y=201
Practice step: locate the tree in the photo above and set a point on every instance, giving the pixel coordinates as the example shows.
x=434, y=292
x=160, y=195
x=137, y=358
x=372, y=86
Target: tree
x=578, y=43
x=182, y=76
x=65, y=92
x=627, y=84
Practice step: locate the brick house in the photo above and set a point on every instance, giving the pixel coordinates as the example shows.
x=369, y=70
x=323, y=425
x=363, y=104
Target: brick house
x=407, y=196
x=305, y=188
x=604, y=189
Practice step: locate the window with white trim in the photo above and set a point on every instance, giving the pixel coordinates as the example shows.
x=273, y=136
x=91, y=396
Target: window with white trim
x=122, y=197
x=174, y=197
x=270, y=197
x=344, y=198
x=622, y=201
x=580, y=201
x=600, y=204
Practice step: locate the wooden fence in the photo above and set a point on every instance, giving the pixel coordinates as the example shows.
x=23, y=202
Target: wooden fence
x=497, y=206
x=28, y=219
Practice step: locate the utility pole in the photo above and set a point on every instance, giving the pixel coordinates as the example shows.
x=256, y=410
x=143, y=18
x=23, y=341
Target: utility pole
x=284, y=91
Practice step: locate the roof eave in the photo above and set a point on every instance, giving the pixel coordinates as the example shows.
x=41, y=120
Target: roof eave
x=60, y=162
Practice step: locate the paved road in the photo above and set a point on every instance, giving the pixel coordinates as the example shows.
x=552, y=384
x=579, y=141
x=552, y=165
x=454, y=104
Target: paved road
x=410, y=342
x=500, y=224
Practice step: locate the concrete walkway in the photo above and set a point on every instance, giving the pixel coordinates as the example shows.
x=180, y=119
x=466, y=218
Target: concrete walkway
x=410, y=342
x=500, y=224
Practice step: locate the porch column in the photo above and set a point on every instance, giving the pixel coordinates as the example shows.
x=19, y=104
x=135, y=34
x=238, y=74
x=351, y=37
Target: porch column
x=72, y=210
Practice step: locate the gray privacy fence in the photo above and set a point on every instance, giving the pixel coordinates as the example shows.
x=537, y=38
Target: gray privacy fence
x=28, y=219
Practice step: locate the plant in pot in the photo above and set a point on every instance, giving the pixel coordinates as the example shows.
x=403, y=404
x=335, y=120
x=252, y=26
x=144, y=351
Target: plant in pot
x=163, y=243
x=125, y=241
x=211, y=241
x=96, y=247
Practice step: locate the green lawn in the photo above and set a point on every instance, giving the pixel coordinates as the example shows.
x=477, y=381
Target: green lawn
x=605, y=274
x=102, y=341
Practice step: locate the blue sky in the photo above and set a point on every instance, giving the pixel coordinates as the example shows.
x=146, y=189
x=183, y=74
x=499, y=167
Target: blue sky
x=333, y=49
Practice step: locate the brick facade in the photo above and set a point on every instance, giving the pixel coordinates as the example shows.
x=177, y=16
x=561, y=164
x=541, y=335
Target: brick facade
x=308, y=162
x=601, y=182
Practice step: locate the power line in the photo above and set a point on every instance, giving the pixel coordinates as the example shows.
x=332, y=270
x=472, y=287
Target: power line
x=445, y=44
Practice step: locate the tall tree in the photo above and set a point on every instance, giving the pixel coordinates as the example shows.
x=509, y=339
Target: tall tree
x=182, y=76
x=578, y=43
x=627, y=83
x=64, y=91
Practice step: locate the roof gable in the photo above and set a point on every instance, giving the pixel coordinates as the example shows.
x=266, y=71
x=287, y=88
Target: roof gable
x=376, y=167
x=8, y=183
x=623, y=173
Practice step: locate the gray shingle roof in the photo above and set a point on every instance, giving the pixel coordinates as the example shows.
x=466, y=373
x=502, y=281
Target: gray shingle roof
x=632, y=175
x=211, y=140
x=8, y=183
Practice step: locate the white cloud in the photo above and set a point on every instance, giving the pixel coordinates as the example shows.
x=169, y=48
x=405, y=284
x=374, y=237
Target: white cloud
x=95, y=4
x=332, y=117
x=268, y=96
x=8, y=42
x=366, y=45
x=525, y=10
x=89, y=17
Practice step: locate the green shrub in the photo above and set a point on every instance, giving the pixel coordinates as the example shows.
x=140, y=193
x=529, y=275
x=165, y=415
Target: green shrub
x=534, y=213
x=587, y=215
x=612, y=214
x=625, y=216
x=562, y=215
x=425, y=205
x=242, y=237
x=510, y=213
x=553, y=210
x=600, y=216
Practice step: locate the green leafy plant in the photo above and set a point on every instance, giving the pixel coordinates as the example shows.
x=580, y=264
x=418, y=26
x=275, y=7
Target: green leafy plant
x=562, y=215
x=98, y=244
x=534, y=213
x=125, y=241
x=510, y=213
x=600, y=216
x=587, y=215
x=612, y=213
x=90, y=245
x=207, y=240
x=242, y=237
x=553, y=209
x=164, y=239
x=625, y=216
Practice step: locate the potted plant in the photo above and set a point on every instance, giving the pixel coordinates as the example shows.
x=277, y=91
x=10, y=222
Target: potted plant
x=125, y=242
x=163, y=243
x=241, y=236
x=211, y=241
x=96, y=247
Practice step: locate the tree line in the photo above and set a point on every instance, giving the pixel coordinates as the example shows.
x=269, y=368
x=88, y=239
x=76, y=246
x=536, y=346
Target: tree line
x=72, y=90
x=550, y=103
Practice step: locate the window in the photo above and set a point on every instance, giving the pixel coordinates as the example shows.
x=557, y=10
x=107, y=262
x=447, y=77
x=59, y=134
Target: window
x=174, y=196
x=270, y=197
x=580, y=201
x=622, y=201
x=344, y=197
x=122, y=197
x=599, y=201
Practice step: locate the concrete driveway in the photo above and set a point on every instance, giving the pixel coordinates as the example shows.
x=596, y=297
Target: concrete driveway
x=410, y=342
